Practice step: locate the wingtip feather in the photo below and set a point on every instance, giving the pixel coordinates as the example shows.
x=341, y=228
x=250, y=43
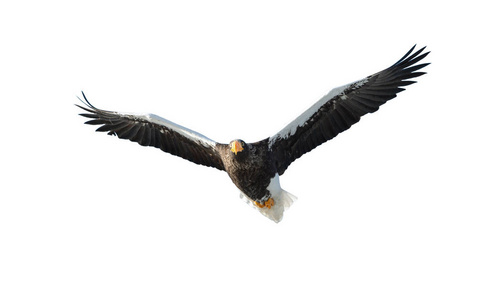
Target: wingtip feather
x=85, y=101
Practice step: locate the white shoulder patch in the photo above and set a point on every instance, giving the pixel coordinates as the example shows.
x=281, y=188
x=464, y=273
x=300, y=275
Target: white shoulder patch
x=190, y=134
x=291, y=128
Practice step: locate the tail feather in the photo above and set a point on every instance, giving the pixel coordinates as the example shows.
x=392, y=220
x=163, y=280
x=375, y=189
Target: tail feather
x=282, y=201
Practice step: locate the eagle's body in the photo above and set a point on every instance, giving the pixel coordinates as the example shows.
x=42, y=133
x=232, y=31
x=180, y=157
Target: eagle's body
x=255, y=167
x=254, y=172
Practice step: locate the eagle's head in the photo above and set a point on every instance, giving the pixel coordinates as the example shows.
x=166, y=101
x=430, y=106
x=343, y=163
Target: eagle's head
x=238, y=147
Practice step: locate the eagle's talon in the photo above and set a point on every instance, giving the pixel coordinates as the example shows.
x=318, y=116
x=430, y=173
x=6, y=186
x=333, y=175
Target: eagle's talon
x=268, y=204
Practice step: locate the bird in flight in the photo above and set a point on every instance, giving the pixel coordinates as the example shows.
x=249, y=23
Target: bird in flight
x=255, y=167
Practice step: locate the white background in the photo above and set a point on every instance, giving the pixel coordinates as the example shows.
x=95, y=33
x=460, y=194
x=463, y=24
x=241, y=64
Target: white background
x=394, y=208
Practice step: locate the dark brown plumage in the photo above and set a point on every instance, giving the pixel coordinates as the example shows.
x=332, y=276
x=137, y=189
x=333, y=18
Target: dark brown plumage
x=255, y=167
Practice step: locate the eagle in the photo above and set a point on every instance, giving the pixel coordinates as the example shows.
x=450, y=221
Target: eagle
x=255, y=168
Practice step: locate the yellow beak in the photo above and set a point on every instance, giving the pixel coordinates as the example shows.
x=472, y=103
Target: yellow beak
x=236, y=147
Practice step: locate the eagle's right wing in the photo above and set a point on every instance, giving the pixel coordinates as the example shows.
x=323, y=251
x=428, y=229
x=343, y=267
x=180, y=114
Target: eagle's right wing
x=152, y=130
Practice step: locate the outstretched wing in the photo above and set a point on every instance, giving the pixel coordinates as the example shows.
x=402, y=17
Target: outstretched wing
x=152, y=130
x=341, y=108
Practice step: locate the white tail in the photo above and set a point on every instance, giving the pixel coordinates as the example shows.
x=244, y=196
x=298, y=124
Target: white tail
x=282, y=201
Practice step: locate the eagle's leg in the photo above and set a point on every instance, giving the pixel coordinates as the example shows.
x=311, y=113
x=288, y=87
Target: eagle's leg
x=268, y=204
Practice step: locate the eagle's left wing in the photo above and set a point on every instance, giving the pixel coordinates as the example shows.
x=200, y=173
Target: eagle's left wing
x=341, y=108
